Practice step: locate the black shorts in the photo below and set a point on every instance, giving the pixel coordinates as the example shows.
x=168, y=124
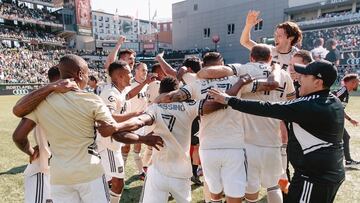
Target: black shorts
x=303, y=190
x=194, y=140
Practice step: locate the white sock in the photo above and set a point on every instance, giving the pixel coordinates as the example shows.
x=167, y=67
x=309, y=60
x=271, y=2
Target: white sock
x=284, y=161
x=138, y=162
x=114, y=198
x=124, y=156
x=274, y=196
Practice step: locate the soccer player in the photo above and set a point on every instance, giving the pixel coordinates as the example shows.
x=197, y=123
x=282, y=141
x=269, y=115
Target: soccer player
x=68, y=120
x=315, y=134
x=114, y=95
x=287, y=35
x=137, y=105
x=37, y=175
x=351, y=83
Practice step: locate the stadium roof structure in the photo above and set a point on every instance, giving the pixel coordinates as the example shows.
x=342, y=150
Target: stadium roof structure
x=316, y=6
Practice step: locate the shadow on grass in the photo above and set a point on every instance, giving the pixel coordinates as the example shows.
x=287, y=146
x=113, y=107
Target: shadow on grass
x=132, y=194
x=15, y=170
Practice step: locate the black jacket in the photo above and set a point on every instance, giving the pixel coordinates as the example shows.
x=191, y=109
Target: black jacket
x=315, y=134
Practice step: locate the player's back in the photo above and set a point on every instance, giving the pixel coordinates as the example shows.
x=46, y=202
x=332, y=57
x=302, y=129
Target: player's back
x=68, y=120
x=259, y=130
x=172, y=122
x=223, y=128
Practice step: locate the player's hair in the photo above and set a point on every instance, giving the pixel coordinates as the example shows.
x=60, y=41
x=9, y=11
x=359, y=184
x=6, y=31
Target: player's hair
x=53, y=74
x=260, y=52
x=93, y=78
x=137, y=65
x=212, y=58
x=194, y=63
x=292, y=30
x=305, y=55
x=155, y=67
x=349, y=77
x=318, y=42
x=126, y=51
x=117, y=65
x=168, y=84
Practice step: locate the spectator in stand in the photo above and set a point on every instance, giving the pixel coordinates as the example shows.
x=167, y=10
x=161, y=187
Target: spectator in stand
x=319, y=52
x=334, y=54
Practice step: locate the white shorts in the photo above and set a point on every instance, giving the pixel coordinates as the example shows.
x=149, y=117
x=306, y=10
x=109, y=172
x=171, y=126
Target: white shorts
x=225, y=170
x=265, y=167
x=95, y=191
x=37, y=188
x=112, y=163
x=158, y=186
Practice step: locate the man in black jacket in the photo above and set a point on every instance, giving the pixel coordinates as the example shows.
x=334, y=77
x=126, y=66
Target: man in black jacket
x=315, y=133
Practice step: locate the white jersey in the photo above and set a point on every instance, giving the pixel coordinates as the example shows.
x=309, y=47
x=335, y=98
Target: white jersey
x=115, y=100
x=189, y=78
x=40, y=164
x=153, y=90
x=221, y=129
x=173, y=123
x=259, y=130
x=139, y=102
x=283, y=59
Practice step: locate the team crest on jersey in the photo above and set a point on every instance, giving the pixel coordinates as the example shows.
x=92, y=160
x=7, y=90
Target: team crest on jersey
x=111, y=99
x=120, y=169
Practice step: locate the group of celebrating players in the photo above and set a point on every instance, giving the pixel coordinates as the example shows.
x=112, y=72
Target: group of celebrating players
x=87, y=137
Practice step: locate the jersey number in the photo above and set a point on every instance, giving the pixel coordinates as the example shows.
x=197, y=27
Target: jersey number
x=170, y=119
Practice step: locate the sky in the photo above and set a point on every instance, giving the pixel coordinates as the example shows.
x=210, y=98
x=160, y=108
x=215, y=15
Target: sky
x=129, y=7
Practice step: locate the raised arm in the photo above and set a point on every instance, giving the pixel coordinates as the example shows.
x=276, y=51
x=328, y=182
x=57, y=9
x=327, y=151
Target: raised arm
x=251, y=20
x=165, y=66
x=113, y=54
x=29, y=102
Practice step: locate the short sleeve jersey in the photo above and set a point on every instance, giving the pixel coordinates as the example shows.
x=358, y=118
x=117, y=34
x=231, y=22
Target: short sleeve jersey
x=153, y=90
x=172, y=122
x=343, y=95
x=282, y=59
x=115, y=100
x=224, y=121
x=259, y=130
x=139, y=102
x=68, y=120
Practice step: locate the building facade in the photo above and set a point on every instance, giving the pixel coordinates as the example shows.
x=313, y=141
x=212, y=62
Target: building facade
x=196, y=22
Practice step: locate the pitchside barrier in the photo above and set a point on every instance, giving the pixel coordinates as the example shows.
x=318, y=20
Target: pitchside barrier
x=19, y=89
x=26, y=88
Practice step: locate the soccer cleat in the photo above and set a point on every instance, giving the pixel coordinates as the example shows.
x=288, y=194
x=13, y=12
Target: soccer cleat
x=196, y=180
x=284, y=185
x=352, y=163
x=141, y=176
